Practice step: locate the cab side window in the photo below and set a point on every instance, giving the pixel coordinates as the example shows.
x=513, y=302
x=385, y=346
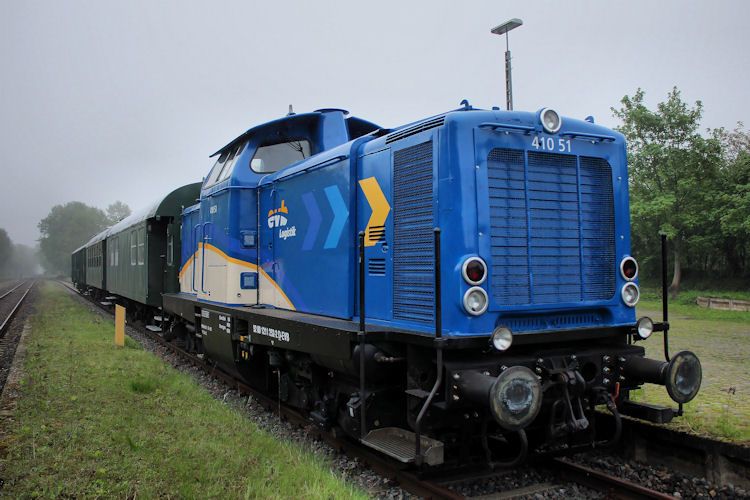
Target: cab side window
x=273, y=157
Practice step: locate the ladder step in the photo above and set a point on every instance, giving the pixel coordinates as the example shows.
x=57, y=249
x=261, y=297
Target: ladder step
x=153, y=328
x=158, y=318
x=111, y=297
x=400, y=444
x=418, y=393
x=105, y=303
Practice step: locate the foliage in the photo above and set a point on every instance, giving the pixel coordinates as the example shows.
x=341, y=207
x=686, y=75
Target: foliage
x=96, y=421
x=66, y=228
x=692, y=188
x=16, y=261
x=6, y=251
x=117, y=211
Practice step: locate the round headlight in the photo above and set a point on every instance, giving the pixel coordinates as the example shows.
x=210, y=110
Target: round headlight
x=644, y=327
x=474, y=271
x=630, y=294
x=515, y=398
x=502, y=338
x=629, y=268
x=684, y=376
x=475, y=300
x=551, y=121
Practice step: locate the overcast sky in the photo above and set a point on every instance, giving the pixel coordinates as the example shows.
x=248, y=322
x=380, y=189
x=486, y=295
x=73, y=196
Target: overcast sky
x=104, y=100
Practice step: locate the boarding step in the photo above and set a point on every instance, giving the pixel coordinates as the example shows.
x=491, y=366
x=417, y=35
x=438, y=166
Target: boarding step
x=158, y=318
x=111, y=297
x=400, y=444
x=153, y=328
x=105, y=303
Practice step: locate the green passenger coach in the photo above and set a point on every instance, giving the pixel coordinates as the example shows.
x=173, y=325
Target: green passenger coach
x=143, y=254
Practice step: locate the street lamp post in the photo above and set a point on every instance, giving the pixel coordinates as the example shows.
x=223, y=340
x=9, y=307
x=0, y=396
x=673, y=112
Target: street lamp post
x=503, y=29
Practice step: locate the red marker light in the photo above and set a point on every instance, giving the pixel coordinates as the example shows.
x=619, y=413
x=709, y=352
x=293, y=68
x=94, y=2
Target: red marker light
x=629, y=268
x=474, y=270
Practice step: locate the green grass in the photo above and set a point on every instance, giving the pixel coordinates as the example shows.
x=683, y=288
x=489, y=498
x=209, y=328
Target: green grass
x=721, y=339
x=685, y=306
x=97, y=421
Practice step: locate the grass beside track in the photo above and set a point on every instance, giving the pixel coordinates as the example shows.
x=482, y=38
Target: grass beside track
x=97, y=421
x=721, y=339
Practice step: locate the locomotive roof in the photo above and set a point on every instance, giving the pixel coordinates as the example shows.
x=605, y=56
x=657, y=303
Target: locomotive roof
x=353, y=123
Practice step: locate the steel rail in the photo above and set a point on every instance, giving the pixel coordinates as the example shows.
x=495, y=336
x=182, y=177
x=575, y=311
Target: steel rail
x=6, y=322
x=613, y=486
x=11, y=290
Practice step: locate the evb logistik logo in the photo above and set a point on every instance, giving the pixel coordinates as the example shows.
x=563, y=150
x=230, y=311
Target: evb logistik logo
x=278, y=218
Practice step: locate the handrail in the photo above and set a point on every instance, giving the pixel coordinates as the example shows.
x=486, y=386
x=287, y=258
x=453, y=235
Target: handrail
x=195, y=256
x=588, y=135
x=418, y=458
x=203, y=256
x=508, y=127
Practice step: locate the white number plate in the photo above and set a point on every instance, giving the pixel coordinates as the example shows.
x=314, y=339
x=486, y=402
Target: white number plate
x=541, y=143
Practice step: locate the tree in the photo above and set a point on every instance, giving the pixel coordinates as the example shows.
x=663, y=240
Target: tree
x=65, y=228
x=6, y=251
x=117, y=211
x=674, y=174
x=734, y=217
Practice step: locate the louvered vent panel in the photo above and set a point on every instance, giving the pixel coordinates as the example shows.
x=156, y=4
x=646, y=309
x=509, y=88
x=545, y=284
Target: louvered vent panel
x=376, y=267
x=508, y=227
x=597, y=228
x=552, y=219
x=413, y=224
x=415, y=129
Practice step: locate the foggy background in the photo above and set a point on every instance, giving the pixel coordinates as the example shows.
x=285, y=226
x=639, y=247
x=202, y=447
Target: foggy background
x=103, y=101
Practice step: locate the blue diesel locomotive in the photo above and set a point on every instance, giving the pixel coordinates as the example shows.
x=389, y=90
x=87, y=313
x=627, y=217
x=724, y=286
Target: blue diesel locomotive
x=457, y=288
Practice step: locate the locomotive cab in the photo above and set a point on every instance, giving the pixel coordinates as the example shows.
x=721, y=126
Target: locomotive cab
x=227, y=263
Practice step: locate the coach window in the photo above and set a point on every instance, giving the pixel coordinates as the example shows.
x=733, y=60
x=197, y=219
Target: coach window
x=272, y=157
x=133, y=246
x=117, y=251
x=141, y=246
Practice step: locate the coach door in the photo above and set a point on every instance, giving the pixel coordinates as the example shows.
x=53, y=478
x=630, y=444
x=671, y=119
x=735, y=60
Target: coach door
x=172, y=259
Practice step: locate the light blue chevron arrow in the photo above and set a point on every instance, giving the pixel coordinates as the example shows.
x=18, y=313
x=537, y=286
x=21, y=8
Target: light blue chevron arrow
x=314, y=213
x=340, y=215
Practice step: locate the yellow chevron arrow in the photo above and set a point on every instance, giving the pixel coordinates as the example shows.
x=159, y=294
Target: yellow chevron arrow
x=380, y=209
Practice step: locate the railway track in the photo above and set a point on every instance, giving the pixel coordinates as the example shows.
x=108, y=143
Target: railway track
x=13, y=307
x=416, y=483
x=10, y=304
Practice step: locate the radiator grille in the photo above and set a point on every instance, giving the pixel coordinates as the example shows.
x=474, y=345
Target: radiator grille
x=413, y=223
x=552, y=222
